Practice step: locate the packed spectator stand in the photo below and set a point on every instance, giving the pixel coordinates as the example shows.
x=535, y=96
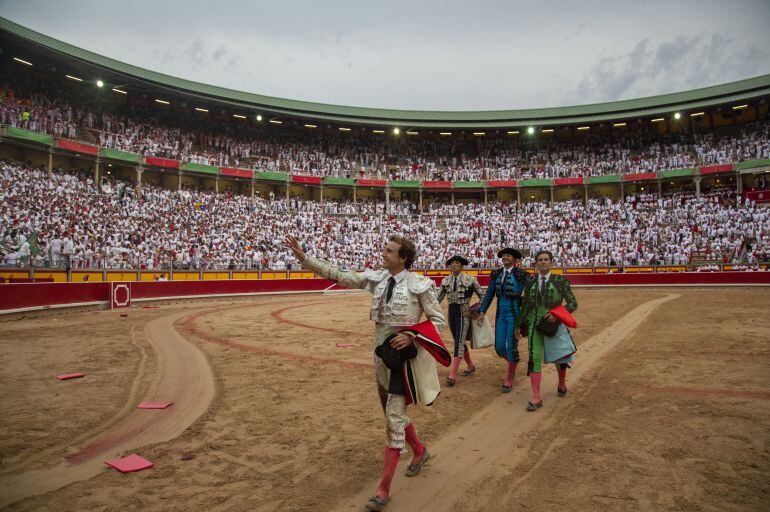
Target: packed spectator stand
x=63, y=110
x=65, y=221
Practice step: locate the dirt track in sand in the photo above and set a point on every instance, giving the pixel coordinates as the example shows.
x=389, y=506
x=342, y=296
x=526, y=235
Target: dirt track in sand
x=672, y=414
x=492, y=445
x=183, y=377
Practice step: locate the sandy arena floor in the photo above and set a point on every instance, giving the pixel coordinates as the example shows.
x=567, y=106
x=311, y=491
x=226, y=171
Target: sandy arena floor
x=669, y=409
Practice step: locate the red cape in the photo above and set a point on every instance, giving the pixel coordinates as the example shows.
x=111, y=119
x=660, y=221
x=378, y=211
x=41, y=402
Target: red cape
x=564, y=316
x=427, y=335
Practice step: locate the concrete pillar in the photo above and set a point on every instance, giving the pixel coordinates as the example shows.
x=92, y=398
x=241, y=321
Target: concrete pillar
x=486, y=200
x=252, y=188
x=518, y=196
x=216, y=185
x=585, y=195
x=453, y=197
x=287, y=196
x=354, y=194
x=50, y=162
x=322, y=195
x=97, y=163
x=697, y=181
x=139, y=172
x=421, y=201
x=179, y=181
x=660, y=188
x=551, y=190
x=387, y=200
x=738, y=183
x=622, y=192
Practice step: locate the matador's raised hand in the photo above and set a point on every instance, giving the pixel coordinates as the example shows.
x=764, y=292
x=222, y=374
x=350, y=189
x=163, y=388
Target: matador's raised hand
x=294, y=246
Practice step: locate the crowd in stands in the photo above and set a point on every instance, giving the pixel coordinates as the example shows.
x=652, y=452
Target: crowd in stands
x=65, y=221
x=205, y=139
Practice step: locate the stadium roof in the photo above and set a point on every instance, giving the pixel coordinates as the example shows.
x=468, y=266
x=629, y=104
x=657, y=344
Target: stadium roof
x=697, y=99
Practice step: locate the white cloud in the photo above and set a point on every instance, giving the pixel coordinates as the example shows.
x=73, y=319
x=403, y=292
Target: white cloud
x=448, y=55
x=682, y=63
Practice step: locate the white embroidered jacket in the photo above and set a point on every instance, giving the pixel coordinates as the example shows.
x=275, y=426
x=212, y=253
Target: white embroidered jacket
x=467, y=285
x=412, y=297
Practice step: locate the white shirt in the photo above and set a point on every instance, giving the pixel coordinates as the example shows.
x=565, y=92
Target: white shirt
x=400, y=276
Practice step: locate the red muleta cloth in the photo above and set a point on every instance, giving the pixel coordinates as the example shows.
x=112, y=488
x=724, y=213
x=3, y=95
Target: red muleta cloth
x=561, y=313
x=426, y=334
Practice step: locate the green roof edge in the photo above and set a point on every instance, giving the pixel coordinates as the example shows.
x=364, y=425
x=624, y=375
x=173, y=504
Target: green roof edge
x=741, y=90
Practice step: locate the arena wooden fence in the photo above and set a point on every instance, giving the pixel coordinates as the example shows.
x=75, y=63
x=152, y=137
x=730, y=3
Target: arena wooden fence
x=106, y=276
x=20, y=297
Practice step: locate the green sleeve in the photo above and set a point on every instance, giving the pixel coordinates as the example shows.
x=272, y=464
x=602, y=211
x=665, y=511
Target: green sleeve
x=569, y=297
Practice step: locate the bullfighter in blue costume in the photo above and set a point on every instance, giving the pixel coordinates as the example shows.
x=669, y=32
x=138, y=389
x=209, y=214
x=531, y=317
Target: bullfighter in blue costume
x=507, y=284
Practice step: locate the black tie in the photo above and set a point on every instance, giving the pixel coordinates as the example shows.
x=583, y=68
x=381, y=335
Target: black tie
x=391, y=285
x=542, y=286
x=454, y=284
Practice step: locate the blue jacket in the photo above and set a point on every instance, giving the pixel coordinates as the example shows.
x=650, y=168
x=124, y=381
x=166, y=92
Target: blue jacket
x=512, y=288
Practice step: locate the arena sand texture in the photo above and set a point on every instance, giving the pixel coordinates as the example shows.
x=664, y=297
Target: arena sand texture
x=669, y=409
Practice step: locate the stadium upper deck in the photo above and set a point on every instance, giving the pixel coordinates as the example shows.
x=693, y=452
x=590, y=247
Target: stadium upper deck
x=46, y=52
x=472, y=144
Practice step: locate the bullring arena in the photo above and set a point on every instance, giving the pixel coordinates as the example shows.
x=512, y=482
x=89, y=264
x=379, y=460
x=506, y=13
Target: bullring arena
x=144, y=252
x=670, y=409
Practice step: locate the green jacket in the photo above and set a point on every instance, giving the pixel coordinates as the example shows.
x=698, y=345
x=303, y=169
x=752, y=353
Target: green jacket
x=558, y=290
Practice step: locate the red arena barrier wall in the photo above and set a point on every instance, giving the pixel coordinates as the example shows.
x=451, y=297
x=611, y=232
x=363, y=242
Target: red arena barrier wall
x=21, y=297
x=40, y=295
x=27, y=296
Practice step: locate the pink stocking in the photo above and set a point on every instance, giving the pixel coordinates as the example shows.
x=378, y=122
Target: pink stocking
x=467, y=357
x=455, y=364
x=388, y=470
x=535, y=378
x=509, y=376
x=413, y=441
x=562, y=378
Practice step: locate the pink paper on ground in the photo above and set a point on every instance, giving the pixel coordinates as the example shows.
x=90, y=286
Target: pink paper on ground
x=67, y=376
x=154, y=405
x=150, y=307
x=346, y=345
x=130, y=463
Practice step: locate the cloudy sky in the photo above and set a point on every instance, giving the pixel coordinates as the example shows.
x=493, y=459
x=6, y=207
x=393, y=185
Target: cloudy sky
x=424, y=54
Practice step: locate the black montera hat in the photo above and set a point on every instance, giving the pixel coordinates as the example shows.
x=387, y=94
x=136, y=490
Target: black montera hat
x=513, y=252
x=462, y=261
x=393, y=358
